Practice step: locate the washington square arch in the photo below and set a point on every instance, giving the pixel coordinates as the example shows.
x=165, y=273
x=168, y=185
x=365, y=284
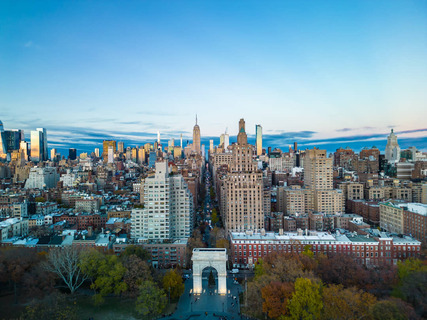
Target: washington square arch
x=209, y=257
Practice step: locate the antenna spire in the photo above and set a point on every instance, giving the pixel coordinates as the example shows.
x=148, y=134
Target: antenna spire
x=196, y=118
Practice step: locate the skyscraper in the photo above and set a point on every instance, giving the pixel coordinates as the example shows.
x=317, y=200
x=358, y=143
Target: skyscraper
x=37, y=147
x=13, y=139
x=44, y=143
x=392, y=149
x=23, y=147
x=258, y=142
x=120, y=147
x=72, y=154
x=3, y=147
x=53, y=154
x=196, y=137
x=106, y=144
x=242, y=188
x=211, y=147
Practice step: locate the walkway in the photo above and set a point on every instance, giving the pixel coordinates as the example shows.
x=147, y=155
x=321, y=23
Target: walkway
x=216, y=306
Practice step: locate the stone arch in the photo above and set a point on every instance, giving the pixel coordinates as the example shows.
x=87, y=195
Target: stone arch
x=209, y=257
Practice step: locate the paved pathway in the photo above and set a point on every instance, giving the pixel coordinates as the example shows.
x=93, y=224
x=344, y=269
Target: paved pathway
x=209, y=304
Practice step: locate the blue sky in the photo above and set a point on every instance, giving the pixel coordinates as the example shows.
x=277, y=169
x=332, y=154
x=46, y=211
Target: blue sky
x=331, y=73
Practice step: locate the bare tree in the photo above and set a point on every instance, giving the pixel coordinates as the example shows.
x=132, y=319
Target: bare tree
x=65, y=262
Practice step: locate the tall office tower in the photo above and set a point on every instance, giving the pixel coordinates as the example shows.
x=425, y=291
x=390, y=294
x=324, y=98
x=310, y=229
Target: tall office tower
x=196, y=138
x=36, y=146
x=134, y=154
x=152, y=158
x=13, y=139
x=392, y=149
x=242, y=188
x=23, y=147
x=106, y=144
x=141, y=155
x=258, y=142
x=318, y=180
x=97, y=152
x=110, y=154
x=221, y=139
x=3, y=147
x=43, y=148
x=158, y=137
x=53, y=154
x=211, y=147
x=72, y=154
x=181, y=140
x=120, y=147
x=168, y=208
x=226, y=141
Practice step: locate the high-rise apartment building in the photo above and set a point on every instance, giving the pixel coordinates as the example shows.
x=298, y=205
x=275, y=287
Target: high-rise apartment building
x=318, y=178
x=392, y=149
x=318, y=172
x=168, y=211
x=196, y=138
x=258, y=141
x=242, y=190
x=39, y=145
x=97, y=152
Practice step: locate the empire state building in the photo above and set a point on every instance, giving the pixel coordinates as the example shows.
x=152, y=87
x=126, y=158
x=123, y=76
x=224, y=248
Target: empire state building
x=196, y=138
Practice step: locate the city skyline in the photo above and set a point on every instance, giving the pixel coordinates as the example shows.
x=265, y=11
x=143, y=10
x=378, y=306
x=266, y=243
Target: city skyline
x=321, y=73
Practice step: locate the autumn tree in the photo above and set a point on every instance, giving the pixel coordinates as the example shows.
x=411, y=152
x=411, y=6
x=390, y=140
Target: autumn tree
x=392, y=309
x=15, y=265
x=341, y=269
x=222, y=243
x=106, y=273
x=346, y=303
x=276, y=296
x=151, y=300
x=253, y=294
x=137, y=271
x=172, y=282
x=65, y=263
x=138, y=251
x=413, y=289
x=214, y=217
x=306, y=301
